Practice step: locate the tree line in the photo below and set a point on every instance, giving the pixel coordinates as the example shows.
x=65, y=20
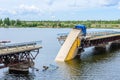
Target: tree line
x=6, y=22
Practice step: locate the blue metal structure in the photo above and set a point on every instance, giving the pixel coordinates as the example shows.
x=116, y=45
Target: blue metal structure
x=82, y=27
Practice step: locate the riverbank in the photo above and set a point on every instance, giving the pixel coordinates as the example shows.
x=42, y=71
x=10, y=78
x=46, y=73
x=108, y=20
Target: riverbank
x=7, y=23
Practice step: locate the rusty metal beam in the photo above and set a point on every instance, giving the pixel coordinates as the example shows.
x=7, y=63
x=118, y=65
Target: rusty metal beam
x=17, y=58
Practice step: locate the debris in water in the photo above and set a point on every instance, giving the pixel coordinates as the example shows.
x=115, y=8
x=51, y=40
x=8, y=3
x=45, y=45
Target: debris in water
x=50, y=67
x=45, y=68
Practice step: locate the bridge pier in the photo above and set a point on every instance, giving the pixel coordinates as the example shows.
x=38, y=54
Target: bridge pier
x=21, y=68
x=101, y=48
x=115, y=45
x=19, y=57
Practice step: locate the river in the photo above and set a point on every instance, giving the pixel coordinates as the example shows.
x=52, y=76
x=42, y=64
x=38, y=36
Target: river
x=90, y=66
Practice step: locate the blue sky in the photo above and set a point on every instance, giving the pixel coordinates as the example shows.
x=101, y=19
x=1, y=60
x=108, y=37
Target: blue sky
x=60, y=9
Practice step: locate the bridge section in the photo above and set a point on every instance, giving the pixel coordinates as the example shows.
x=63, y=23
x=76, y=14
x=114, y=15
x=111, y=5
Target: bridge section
x=100, y=40
x=81, y=41
x=69, y=48
x=18, y=57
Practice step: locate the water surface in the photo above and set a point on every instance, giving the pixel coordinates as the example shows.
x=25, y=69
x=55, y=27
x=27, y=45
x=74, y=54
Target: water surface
x=89, y=66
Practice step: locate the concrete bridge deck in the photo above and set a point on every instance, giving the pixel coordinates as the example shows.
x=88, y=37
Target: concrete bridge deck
x=16, y=49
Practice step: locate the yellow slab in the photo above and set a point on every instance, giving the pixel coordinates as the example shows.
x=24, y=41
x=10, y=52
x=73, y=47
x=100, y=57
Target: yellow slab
x=74, y=49
x=67, y=46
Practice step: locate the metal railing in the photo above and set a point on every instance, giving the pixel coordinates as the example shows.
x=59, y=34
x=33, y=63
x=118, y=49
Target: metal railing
x=95, y=34
x=16, y=45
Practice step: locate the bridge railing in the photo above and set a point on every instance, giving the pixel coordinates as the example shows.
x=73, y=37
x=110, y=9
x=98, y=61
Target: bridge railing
x=16, y=45
x=94, y=34
x=62, y=36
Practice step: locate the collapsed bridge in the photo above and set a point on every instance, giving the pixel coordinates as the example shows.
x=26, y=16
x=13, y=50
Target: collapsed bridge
x=78, y=39
x=18, y=57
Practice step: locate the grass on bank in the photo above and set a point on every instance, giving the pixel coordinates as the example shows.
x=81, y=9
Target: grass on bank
x=7, y=23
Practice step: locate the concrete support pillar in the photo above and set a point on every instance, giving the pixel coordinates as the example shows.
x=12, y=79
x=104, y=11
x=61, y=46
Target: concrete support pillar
x=100, y=48
x=21, y=68
x=115, y=45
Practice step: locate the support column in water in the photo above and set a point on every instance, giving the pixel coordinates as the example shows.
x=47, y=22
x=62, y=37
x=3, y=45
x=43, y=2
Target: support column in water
x=101, y=48
x=115, y=45
x=21, y=68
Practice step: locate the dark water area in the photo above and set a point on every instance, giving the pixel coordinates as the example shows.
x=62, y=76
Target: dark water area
x=91, y=65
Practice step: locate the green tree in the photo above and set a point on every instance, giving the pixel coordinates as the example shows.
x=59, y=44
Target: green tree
x=12, y=22
x=54, y=25
x=7, y=21
x=1, y=22
x=18, y=22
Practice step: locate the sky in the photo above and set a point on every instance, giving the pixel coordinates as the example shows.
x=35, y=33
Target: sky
x=60, y=9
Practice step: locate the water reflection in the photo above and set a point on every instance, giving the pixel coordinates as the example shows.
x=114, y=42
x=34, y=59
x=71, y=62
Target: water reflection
x=8, y=76
x=90, y=66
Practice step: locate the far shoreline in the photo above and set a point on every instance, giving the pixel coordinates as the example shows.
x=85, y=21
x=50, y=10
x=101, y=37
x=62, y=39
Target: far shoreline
x=107, y=24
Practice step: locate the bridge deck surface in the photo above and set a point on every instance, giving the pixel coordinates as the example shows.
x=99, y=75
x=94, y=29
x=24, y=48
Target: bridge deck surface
x=92, y=37
x=104, y=36
x=14, y=50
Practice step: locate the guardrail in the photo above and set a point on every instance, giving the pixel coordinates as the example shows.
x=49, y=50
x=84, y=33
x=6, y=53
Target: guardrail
x=20, y=44
x=95, y=34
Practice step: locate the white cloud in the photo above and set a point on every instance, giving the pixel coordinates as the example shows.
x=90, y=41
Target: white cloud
x=60, y=5
x=25, y=9
x=50, y=2
x=28, y=8
x=119, y=6
x=1, y=9
x=26, y=12
x=53, y=17
x=4, y=11
x=12, y=12
x=50, y=7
